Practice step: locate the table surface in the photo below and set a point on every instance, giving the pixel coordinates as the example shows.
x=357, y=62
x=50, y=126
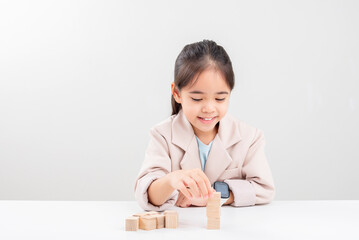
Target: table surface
x=106, y=220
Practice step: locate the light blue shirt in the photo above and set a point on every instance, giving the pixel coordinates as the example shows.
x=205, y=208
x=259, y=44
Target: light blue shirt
x=203, y=151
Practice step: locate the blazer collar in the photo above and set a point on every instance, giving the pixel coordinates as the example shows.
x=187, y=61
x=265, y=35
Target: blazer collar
x=183, y=134
x=218, y=159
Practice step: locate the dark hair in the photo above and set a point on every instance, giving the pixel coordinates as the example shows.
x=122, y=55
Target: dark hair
x=197, y=57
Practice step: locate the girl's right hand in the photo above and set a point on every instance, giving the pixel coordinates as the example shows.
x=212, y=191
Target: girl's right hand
x=191, y=183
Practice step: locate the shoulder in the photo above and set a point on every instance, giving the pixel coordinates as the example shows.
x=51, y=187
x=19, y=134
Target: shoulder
x=246, y=131
x=164, y=127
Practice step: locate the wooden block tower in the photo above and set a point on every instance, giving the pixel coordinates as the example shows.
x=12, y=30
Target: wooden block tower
x=213, y=211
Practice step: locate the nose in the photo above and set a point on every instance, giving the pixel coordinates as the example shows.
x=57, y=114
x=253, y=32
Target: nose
x=208, y=107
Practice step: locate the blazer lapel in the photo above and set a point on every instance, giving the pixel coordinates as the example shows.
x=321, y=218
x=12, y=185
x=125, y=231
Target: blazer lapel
x=183, y=136
x=182, y=131
x=191, y=158
x=217, y=161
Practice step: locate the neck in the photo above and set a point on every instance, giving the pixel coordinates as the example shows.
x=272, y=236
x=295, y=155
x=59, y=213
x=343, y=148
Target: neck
x=206, y=137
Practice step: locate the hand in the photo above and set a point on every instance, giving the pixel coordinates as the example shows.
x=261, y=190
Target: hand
x=201, y=201
x=182, y=201
x=191, y=183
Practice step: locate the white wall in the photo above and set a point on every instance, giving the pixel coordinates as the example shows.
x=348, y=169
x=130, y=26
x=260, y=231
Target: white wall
x=82, y=82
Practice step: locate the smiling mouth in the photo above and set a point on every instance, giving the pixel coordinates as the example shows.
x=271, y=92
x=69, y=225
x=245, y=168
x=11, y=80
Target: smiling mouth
x=207, y=119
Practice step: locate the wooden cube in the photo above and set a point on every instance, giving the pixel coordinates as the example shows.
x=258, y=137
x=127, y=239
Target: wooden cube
x=140, y=214
x=152, y=213
x=213, y=223
x=132, y=223
x=171, y=219
x=160, y=221
x=148, y=222
x=170, y=212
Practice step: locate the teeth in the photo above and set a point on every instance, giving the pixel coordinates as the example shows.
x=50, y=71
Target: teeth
x=207, y=119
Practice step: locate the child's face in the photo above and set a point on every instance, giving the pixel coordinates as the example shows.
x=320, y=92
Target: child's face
x=205, y=103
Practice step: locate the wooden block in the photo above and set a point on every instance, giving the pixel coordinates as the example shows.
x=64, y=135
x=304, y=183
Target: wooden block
x=214, y=200
x=214, y=203
x=140, y=214
x=213, y=211
x=170, y=212
x=148, y=222
x=160, y=221
x=145, y=213
x=152, y=213
x=132, y=223
x=213, y=223
x=171, y=219
x=216, y=197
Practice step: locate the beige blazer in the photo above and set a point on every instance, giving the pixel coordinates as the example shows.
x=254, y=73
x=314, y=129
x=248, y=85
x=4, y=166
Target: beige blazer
x=237, y=157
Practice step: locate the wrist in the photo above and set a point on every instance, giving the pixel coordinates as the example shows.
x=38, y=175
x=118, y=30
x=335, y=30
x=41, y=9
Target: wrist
x=230, y=199
x=167, y=180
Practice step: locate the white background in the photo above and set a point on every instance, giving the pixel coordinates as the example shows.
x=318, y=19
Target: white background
x=82, y=82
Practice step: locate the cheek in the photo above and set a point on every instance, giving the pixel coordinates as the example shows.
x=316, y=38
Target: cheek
x=191, y=109
x=223, y=109
x=192, y=114
x=224, y=106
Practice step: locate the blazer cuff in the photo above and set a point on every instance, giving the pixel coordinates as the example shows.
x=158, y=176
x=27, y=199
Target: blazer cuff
x=141, y=194
x=243, y=192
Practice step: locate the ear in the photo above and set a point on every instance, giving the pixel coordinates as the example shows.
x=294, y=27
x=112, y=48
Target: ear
x=175, y=93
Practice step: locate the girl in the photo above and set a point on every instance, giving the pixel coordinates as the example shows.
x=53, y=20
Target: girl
x=201, y=148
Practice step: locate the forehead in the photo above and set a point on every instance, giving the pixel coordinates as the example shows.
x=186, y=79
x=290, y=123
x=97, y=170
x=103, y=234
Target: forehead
x=209, y=81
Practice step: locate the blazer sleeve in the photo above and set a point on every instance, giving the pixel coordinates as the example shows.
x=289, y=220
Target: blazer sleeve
x=157, y=163
x=257, y=187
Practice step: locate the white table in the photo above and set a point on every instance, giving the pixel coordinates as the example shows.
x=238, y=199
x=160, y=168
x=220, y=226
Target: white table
x=105, y=220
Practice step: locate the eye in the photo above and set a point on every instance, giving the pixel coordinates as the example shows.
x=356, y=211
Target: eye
x=196, y=99
x=220, y=99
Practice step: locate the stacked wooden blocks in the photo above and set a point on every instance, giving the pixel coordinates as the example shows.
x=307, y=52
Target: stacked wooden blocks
x=214, y=211
x=152, y=220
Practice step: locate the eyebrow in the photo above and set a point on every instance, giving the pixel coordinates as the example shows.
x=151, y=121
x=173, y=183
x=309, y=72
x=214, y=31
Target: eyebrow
x=199, y=92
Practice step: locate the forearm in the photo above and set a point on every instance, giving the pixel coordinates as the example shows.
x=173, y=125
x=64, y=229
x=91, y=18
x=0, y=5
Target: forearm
x=159, y=191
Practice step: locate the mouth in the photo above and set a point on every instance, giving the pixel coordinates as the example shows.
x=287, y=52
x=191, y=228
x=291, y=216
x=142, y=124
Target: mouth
x=207, y=120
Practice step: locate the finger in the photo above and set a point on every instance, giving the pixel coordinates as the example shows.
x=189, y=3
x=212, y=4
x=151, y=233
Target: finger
x=180, y=203
x=183, y=205
x=186, y=203
x=193, y=188
x=191, y=185
x=206, y=181
x=202, y=186
x=184, y=190
x=200, y=182
x=212, y=191
x=179, y=199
